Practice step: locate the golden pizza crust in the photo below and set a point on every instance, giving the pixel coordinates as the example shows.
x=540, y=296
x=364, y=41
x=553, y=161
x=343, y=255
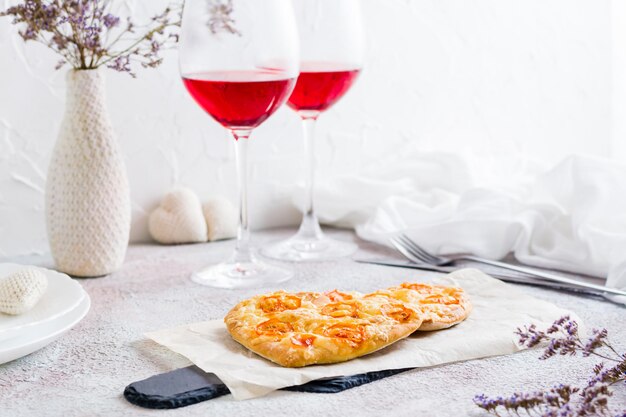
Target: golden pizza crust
x=441, y=306
x=300, y=329
x=307, y=328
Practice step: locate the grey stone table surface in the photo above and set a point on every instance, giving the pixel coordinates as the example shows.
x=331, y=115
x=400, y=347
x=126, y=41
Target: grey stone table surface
x=84, y=373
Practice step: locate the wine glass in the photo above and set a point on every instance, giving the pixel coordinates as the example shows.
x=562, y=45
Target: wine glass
x=239, y=60
x=332, y=52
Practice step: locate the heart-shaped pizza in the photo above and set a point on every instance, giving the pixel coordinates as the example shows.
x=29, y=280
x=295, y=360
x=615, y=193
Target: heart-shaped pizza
x=307, y=328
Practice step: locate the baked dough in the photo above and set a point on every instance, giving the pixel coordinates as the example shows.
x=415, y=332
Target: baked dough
x=307, y=328
x=440, y=306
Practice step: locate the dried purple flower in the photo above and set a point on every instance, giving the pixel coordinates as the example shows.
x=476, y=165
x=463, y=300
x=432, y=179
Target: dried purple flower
x=611, y=375
x=110, y=21
x=88, y=35
x=220, y=17
x=562, y=338
x=595, y=399
x=530, y=336
x=554, y=402
x=121, y=64
x=596, y=341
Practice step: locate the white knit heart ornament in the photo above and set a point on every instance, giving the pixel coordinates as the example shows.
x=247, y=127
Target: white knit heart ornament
x=178, y=219
x=21, y=291
x=221, y=218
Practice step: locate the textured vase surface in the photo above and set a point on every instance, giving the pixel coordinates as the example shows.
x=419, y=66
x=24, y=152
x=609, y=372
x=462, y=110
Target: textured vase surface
x=87, y=192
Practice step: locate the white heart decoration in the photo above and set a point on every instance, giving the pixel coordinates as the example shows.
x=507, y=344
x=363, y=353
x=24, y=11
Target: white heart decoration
x=22, y=290
x=178, y=219
x=221, y=218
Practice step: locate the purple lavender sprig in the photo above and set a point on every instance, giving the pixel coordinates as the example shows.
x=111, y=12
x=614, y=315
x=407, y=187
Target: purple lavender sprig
x=87, y=34
x=554, y=402
x=220, y=20
x=562, y=338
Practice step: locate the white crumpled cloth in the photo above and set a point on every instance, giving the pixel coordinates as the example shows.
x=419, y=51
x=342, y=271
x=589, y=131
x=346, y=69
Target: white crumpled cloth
x=499, y=309
x=572, y=217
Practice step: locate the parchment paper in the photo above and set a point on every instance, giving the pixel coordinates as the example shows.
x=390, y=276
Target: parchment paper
x=499, y=309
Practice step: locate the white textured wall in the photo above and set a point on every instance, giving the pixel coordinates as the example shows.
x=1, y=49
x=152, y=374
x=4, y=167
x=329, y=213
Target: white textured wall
x=503, y=81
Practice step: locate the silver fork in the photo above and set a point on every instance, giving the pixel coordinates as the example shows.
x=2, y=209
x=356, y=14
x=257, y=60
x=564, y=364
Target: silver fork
x=413, y=252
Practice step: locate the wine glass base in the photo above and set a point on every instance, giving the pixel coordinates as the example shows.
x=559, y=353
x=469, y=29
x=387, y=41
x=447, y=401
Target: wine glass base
x=234, y=275
x=298, y=249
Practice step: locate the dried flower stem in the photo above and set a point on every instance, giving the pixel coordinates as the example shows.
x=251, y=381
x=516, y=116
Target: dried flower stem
x=559, y=401
x=137, y=43
x=82, y=32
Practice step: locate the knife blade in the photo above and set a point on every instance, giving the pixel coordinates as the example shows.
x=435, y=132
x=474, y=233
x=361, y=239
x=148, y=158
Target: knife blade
x=516, y=278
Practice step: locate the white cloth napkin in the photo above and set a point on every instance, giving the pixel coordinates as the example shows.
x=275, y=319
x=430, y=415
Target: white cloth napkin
x=572, y=217
x=499, y=309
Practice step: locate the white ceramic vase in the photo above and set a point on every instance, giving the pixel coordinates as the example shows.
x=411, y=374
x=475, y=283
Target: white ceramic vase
x=87, y=192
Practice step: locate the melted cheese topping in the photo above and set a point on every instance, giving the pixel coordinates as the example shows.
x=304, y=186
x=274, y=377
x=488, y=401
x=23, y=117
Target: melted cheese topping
x=298, y=329
x=309, y=318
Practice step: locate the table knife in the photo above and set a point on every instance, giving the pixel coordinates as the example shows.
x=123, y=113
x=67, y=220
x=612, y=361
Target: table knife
x=495, y=272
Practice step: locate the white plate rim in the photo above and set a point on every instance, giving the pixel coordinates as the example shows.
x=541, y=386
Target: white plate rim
x=62, y=325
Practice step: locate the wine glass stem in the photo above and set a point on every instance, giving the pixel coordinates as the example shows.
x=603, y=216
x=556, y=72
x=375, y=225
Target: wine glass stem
x=310, y=228
x=242, y=250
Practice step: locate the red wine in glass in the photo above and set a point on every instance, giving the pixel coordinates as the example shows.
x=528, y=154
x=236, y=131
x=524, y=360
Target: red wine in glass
x=239, y=99
x=320, y=85
x=240, y=73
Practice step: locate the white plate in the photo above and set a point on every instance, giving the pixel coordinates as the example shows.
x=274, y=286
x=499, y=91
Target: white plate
x=32, y=338
x=62, y=295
